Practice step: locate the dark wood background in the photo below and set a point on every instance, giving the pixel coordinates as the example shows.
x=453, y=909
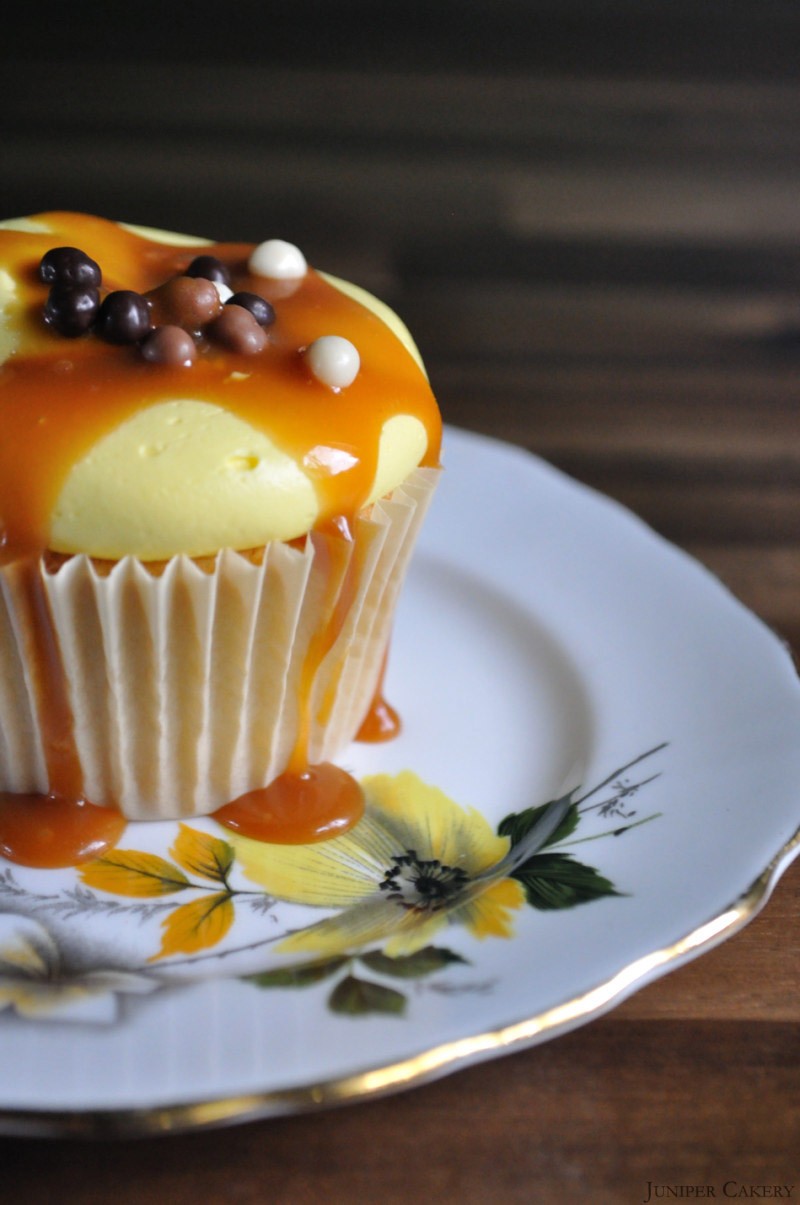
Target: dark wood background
x=589, y=214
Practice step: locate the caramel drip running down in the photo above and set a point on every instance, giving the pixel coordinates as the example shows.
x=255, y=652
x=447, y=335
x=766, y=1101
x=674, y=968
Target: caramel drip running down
x=63, y=768
x=381, y=723
x=60, y=828
x=59, y=397
x=309, y=803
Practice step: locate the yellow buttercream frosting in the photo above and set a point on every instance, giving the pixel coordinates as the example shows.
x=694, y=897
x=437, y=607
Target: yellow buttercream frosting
x=187, y=475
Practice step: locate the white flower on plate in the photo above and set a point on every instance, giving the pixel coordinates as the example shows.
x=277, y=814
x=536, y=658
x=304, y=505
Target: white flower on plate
x=34, y=982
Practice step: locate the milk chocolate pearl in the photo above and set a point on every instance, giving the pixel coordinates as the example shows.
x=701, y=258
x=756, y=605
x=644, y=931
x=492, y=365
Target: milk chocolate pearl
x=124, y=317
x=69, y=266
x=170, y=345
x=71, y=311
x=237, y=329
x=185, y=301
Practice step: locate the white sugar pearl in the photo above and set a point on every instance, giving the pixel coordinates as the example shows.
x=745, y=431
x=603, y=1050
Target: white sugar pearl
x=223, y=290
x=333, y=360
x=278, y=260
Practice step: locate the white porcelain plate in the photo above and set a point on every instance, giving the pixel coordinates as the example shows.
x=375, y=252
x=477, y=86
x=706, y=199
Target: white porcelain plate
x=549, y=647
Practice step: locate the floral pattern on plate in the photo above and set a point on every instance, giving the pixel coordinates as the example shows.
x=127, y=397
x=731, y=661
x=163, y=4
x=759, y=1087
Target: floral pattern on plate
x=416, y=864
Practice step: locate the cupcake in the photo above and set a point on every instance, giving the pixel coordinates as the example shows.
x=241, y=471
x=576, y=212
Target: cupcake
x=215, y=464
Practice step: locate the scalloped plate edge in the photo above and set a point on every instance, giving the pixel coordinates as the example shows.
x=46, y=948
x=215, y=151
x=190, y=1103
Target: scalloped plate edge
x=420, y=1068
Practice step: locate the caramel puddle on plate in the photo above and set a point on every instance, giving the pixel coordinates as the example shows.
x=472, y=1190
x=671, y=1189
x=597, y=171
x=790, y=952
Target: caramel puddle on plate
x=298, y=807
x=50, y=831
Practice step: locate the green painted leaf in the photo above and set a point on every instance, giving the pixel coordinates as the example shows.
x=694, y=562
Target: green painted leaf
x=411, y=966
x=556, y=880
x=359, y=997
x=304, y=975
x=519, y=824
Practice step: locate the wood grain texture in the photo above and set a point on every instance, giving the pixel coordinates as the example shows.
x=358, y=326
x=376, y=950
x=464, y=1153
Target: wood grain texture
x=590, y=217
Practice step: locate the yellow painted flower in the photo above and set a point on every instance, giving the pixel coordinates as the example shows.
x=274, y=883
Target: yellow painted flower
x=415, y=863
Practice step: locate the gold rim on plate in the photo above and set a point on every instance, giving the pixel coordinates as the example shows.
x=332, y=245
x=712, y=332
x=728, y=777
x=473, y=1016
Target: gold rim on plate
x=418, y=1069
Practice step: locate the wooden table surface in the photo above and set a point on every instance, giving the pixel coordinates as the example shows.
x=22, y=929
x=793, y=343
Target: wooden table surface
x=592, y=224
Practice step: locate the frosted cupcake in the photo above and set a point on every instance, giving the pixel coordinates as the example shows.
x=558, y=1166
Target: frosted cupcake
x=214, y=466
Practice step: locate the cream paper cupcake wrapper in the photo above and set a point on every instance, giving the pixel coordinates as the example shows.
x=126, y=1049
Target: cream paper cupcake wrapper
x=186, y=688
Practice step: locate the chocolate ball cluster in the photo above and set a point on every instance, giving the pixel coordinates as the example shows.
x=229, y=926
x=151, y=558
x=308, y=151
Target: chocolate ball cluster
x=165, y=323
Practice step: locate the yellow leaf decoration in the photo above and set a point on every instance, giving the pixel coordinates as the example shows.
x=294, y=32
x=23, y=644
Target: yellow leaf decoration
x=202, y=854
x=127, y=872
x=196, y=926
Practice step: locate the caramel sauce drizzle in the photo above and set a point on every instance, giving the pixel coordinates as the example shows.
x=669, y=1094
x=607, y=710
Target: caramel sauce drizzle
x=59, y=396
x=381, y=723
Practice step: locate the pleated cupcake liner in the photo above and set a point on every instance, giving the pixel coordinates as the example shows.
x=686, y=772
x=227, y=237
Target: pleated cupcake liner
x=192, y=687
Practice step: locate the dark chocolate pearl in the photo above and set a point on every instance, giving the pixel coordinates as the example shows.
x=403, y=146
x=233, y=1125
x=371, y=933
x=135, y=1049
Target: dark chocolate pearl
x=237, y=329
x=170, y=345
x=124, y=317
x=184, y=301
x=209, y=268
x=259, y=307
x=71, y=311
x=69, y=266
